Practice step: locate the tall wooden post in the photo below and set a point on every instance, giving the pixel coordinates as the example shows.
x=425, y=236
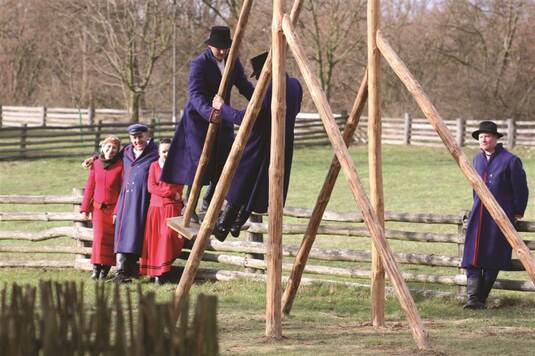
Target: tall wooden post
x=209, y=141
x=359, y=194
x=481, y=189
x=276, y=177
x=321, y=202
x=375, y=161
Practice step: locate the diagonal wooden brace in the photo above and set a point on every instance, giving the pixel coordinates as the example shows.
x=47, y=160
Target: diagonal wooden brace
x=371, y=219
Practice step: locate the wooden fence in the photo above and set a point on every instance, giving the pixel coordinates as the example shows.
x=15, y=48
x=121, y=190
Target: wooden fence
x=47, y=132
x=335, y=266
x=56, y=141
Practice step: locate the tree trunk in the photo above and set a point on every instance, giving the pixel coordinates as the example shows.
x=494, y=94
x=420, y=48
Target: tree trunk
x=134, y=101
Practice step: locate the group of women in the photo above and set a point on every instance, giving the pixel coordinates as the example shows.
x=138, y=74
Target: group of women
x=161, y=245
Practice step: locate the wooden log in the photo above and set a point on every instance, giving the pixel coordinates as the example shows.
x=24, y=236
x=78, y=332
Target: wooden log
x=276, y=176
x=373, y=223
x=55, y=232
x=470, y=173
x=322, y=201
x=47, y=249
x=389, y=216
x=375, y=160
x=343, y=230
x=226, y=176
x=47, y=216
x=40, y=199
x=36, y=264
x=213, y=127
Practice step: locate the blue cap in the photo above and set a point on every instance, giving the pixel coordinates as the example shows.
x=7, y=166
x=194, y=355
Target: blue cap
x=137, y=128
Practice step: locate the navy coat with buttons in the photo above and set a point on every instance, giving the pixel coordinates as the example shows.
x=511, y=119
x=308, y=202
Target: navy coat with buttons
x=485, y=245
x=250, y=185
x=131, y=208
x=186, y=147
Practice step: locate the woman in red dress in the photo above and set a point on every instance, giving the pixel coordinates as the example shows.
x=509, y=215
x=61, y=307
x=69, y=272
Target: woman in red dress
x=100, y=196
x=162, y=245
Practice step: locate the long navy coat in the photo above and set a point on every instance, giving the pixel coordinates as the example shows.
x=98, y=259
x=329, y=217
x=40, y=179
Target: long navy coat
x=134, y=199
x=485, y=246
x=250, y=185
x=188, y=141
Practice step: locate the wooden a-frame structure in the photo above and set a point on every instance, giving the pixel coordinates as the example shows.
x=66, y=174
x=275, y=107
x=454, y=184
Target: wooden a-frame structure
x=283, y=33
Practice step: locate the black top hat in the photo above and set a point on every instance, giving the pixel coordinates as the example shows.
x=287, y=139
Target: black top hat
x=258, y=63
x=137, y=128
x=219, y=37
x=486, y=127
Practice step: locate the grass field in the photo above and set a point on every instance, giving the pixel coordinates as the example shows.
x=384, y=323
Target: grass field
x=328, y=320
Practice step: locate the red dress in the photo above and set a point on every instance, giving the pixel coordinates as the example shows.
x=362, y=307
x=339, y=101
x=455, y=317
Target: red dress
x=162, y=245
x=100, y=196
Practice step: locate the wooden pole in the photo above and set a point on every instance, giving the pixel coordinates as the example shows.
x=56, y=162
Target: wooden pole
x=469, y=172
x=324, y=196
x=211, y=134
x=254, y=237
x=192, y=265
x=372, y=222
x=276, y=177
x=375, y=161
x=407, y=129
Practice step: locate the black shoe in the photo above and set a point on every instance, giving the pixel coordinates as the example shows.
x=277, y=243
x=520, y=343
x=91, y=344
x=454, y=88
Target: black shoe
x=104, y=271
x=226, y=218
x=242, y=217
x=473, y=287
x=121, y=277
x=96, y=272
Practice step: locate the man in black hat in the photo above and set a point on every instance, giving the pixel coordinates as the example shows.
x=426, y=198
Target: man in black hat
x=486, y=251
x=250, y=186
x=204, y=78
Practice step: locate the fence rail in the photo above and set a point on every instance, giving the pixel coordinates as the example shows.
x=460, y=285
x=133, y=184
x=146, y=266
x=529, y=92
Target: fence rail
x=49, y=132
x=249, y=254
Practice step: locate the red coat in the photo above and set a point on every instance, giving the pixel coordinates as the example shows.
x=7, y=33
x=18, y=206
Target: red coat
x=162, y=245
x=100, y=196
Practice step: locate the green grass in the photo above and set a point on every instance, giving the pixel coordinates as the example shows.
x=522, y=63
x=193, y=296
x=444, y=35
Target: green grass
x=327, y=320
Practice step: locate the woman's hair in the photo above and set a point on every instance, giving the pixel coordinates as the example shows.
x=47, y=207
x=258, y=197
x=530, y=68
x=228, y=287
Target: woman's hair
x=111, y=139
x=165, y=140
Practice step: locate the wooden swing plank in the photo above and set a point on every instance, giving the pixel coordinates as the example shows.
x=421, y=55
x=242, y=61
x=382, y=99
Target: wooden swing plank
x=177, y=224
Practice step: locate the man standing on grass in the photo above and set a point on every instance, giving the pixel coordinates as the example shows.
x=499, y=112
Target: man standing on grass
x=133, y=203
x=205, y=75
x=486, y=251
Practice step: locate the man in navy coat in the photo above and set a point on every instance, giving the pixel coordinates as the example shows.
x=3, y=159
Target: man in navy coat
x=250, y=186
x=204, y=78
x=486, y=251
x=133, y=203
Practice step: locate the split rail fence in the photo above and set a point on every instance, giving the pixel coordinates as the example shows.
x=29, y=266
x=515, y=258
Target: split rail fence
x=48, y=132
x=245, y=258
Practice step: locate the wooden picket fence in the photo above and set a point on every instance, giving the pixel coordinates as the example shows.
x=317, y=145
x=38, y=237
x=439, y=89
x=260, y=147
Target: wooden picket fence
x=327, y=266
x=53, y=319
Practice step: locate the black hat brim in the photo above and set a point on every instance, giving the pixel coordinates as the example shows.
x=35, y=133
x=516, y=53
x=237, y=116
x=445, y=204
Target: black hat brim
x=217, y=44
x=476, y=133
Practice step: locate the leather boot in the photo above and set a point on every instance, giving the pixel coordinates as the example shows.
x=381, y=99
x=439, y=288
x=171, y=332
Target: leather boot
x=242, y=217
x=96, y=271
x=473, y=287
x=104, y=272
x=132, y=266
x=486, y=286
x=122, y=269
x=226, y=218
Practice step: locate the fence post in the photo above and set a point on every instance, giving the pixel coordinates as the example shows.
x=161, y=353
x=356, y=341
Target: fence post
x=407, y=129
x=23, y=134
x=80, y=259
x=43, y=116
x=0, y=116
x=153, y=128
x=91, y=115
x=461, y=229
x=511, y=132
x=254, y=237
x=460, y=131
x=97, y=135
